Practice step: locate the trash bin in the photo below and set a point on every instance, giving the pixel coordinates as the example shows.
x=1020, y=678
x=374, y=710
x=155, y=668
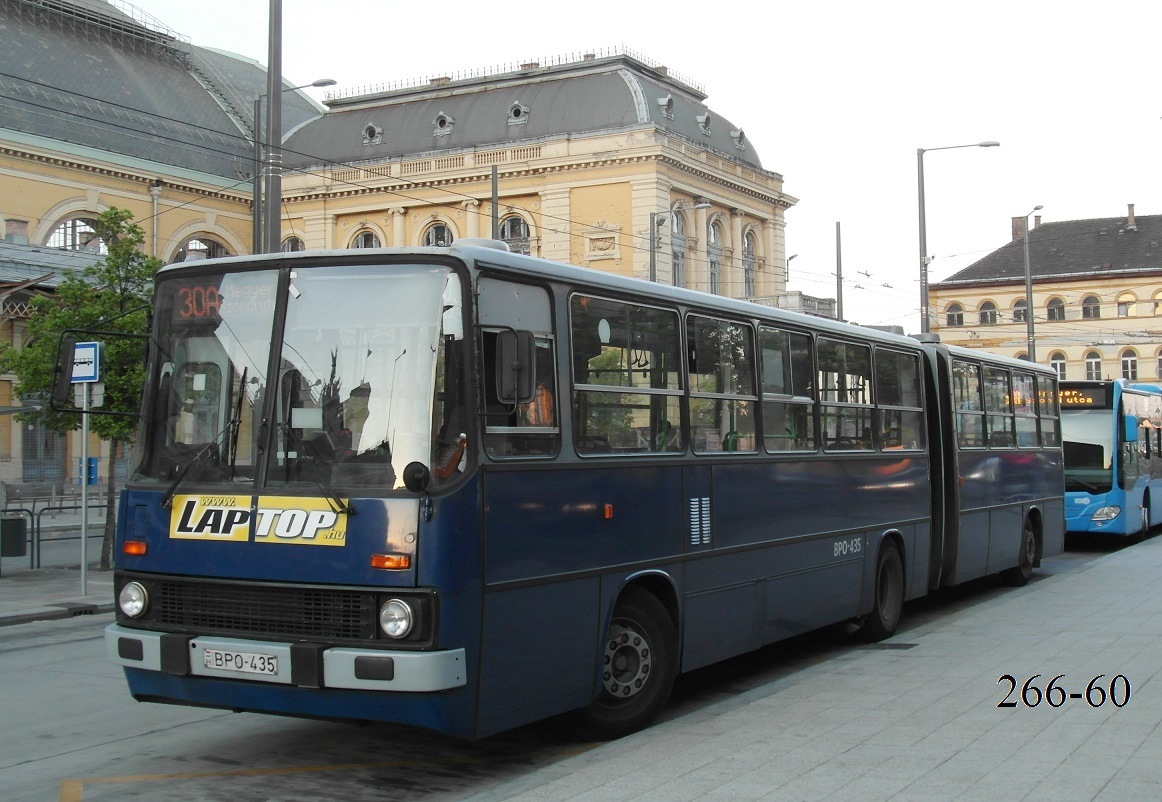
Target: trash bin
x=13, y=537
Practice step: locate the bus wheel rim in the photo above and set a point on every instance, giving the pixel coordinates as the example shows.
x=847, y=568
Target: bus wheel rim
x=628, y=661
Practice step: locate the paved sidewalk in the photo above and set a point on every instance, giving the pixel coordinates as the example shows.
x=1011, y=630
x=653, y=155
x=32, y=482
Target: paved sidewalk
x=54, y=590
x=917, y=717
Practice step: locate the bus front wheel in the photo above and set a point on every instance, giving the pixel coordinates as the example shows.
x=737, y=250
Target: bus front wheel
x=639, y=664
x=888, y=606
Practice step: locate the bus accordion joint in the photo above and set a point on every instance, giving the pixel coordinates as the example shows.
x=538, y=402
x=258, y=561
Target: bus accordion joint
x=391, y=562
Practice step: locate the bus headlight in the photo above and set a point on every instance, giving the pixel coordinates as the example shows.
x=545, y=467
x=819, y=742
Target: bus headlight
x=1107, y=513
x=396, y=618
x=133, y=600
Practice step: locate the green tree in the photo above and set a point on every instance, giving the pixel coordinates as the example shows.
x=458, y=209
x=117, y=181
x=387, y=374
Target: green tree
x=113, y=295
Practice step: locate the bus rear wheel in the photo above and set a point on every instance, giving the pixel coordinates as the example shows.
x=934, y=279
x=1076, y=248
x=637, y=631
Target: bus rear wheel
x=1018, y=575
x=639, y=664
x=888, y=606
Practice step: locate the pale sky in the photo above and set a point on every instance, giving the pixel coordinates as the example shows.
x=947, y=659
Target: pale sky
x=835, y=96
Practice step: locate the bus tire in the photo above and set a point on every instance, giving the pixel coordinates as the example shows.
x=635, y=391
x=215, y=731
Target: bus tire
x=1018, y=576
x=639, y=665
x=888, y=603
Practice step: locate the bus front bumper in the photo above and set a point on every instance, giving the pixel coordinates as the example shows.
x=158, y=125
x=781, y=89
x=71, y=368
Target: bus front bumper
x=306, y=665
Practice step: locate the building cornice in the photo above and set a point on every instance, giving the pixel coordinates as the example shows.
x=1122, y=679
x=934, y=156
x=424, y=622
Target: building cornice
x=135, y=174
x=1044, y=278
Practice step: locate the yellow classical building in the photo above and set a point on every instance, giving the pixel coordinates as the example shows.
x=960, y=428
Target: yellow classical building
x=1097, y=298
x=605, y=160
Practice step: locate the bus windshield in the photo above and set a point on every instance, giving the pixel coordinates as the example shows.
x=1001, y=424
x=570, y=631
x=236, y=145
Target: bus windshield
x=1089, y=449
x=348, y=399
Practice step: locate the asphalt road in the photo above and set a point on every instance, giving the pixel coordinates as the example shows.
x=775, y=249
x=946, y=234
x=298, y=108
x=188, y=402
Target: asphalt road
x=73, y=733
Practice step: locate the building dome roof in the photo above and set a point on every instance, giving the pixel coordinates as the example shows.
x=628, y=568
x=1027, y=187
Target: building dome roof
x=529, y=103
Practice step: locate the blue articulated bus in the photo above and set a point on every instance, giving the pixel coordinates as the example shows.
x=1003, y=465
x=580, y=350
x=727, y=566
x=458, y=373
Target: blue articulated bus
x=466, y=489
x=1112, y=437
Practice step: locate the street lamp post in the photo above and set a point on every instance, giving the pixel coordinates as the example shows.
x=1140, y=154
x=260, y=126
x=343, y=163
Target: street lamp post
x=1029, y=293
x=656, y=219
x=259, y=242
x=925, y=325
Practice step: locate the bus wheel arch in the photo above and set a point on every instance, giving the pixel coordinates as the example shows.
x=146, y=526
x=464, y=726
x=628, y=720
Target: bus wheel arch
x=639, y=661
x=888, y=591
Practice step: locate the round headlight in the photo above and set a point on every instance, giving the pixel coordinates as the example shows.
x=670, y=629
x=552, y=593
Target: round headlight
x=133, y=600
x=396, y=618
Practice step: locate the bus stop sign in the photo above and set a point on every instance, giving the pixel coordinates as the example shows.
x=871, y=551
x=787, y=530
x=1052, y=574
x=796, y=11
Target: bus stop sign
x=86, y=362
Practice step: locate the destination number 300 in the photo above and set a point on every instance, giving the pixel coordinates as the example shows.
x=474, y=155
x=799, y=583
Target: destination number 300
x=1095, y=694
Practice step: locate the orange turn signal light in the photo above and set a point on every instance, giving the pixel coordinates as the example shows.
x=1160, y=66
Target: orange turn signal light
x=136, y=548
x=391, y=562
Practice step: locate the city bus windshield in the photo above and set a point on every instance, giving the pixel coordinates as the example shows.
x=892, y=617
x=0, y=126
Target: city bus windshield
x=347, y=401
x=1088, y=437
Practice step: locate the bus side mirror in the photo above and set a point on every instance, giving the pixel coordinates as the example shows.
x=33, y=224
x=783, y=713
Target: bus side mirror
x=1131, y=426
x=62, y=369
x=515, y=367
x=416, y=477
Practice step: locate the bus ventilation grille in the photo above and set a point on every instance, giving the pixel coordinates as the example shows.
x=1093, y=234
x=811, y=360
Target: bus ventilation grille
x=287, y=612
x=699, y=521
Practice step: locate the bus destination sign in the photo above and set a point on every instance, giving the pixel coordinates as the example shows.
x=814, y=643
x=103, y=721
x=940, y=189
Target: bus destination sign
x=1090, y=397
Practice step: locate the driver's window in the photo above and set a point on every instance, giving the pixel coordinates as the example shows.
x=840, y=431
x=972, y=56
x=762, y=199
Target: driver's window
x=529, y=426
x=198, y=397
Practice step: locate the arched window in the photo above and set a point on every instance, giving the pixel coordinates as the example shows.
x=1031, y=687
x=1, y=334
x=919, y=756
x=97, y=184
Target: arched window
x=365, y=239
x=292, y=244
x=1130, y=364
x=1090, y=307
x=678, y=246
x=714, y=249
x=748, y=264
x=201, y=248
x=77, y=235
x=515, y=231
x=1057, y=362
x=988, y=314
x=1127, y=304
x=955, y=315
x=438, y=236
x=1092, y=366
x=1019, y=310
x=1055, y=309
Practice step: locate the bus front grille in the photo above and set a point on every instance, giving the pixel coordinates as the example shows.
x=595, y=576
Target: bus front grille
x=294, y=613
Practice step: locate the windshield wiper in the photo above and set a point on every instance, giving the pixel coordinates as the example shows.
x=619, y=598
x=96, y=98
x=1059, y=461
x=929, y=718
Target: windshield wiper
x=333, y=498
x=167, y=499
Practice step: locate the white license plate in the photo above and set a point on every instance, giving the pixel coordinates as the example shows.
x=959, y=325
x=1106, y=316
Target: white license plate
x=243, y=662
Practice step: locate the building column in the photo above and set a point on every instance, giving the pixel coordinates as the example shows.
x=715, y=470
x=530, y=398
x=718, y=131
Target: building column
x=776, y=279
x=471, y=217
x=318, y=230
x=734, y=284
x=700, y=263
x=556, y=233
x=398, y=217
x=648, y=196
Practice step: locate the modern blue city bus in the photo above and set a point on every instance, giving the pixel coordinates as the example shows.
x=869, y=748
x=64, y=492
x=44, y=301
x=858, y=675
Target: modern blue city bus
x=466, y=489
x=1112, y=439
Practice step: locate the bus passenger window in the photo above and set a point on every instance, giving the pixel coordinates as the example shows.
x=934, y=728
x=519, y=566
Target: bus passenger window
x=899, y=400
x=627, y=378
x=844, y=380
x=722, y=385
x=788, y=366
